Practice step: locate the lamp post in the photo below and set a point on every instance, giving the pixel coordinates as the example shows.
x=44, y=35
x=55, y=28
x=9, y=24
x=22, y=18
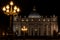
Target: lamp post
x=10, y=10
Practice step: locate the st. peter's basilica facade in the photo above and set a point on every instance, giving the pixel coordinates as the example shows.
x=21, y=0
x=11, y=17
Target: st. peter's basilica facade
x=35, y=24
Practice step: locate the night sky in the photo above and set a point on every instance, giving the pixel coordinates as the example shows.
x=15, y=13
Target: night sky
x=43, y=7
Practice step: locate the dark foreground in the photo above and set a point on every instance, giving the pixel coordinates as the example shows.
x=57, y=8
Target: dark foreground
x=30, y=38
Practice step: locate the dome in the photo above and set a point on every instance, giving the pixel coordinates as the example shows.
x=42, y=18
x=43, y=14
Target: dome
x=34, y=15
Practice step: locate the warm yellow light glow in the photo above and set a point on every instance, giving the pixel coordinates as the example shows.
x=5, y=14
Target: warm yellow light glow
x=14, y=11
x=11, y=3
x=4, y=9
x=10, y=9
x=7, y=7
x=18, y=9
x=15, y=7
x=24, y=29
x=7, y=10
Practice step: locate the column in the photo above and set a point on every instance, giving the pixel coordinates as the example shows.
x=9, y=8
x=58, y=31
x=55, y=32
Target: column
x=38, y=31
x=42, y=31
x=20, y=30
x=56, y=27
x=30, y=33
x=34, y=32
x=47, y=30
x=51, y=29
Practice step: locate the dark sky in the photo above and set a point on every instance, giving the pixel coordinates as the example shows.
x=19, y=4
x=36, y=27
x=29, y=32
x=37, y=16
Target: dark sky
x=43, y=7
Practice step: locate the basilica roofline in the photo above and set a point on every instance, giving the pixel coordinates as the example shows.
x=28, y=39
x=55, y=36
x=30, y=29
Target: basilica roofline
x=45, y=16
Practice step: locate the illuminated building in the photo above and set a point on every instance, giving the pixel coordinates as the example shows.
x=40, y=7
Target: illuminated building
x=35, y=24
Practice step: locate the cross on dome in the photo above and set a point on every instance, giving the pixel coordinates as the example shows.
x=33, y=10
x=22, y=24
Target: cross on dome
x=34, y=8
